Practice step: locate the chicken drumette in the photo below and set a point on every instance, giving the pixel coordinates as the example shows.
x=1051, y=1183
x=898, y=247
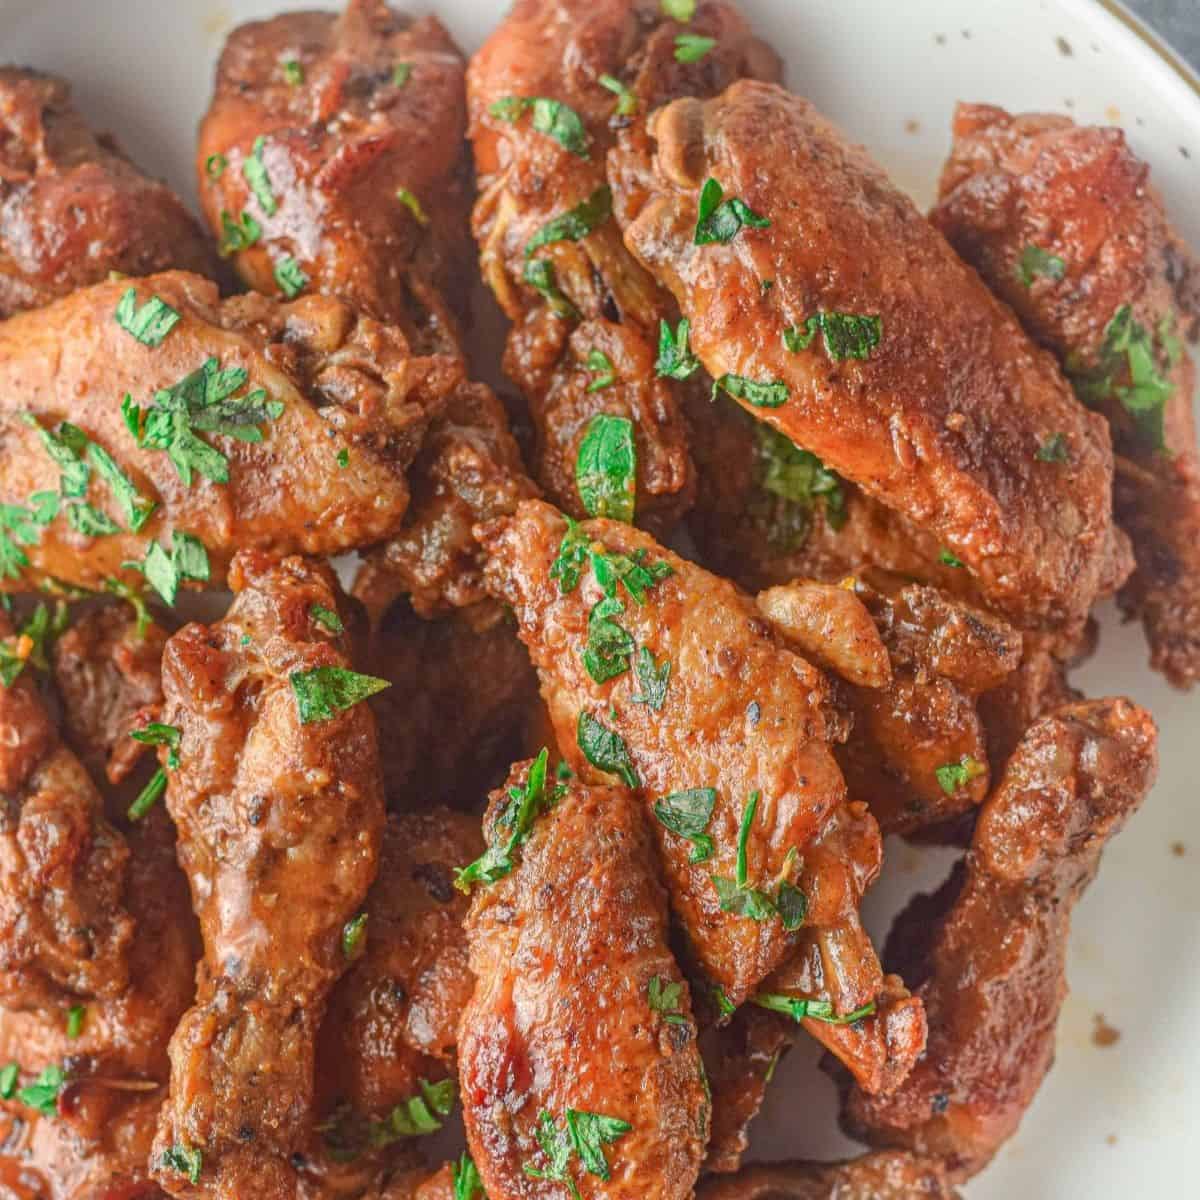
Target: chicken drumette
x=881, y=1176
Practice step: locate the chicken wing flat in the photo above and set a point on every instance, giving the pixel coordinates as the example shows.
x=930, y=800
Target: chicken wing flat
x=73, y=207
x=65, y=930
x=989, y=948
x=314, y=415
x=278, y=799
x=577, y=1054
x=1062, y=222
x=547, y=92
x=822, y=301
x=333, y=157
x=884, y=1175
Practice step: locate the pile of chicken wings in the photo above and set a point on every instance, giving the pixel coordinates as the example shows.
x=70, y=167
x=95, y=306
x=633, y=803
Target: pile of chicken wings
x=785, y=539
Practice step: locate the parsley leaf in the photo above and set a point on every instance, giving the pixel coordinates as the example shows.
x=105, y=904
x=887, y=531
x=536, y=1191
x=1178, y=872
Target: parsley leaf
x=149, y=324
x=8, y=1080
x=89, y=521
x=575, y=224
x=738, y=897
x=720, y=219
x=149, y=796
x=354, y=937
x=417, y=1116
x=33, y=640
x=947, y=559
x=665, y=997
x=467, y=1183
x=590, y=1133
x=556, y=1145
x=627, y=101
x=291, y=277
x=125, y=592
x=540, y=275
x=792, y=905
x=401, y=74
x=606, y=468
x=185, y=1160
x=845, y=335
x=679, y=10
x=238, y=233
x=1054, y=449
x=687, y=814
x=254, y=171
x=605, y=750
x=23, y=527
x=43, y=1093
x=412, y=202
x=675, y=357
x=293, y=72
x=157, y=734
x=165, y=572
x=952, y=776
x=742, y=901
x=326, y=618
x=136, y=508
x=602, y=369
x=608, y=646
x=214, y=165
x=551, y=117
x=794, y=482
x=653, y=678
x=773, y=394
x=76, y=1016
x=575, y=552
x=323, y=692
x=800, y=1009
x=691, y=47
x=1038, y=263
x=66, y=451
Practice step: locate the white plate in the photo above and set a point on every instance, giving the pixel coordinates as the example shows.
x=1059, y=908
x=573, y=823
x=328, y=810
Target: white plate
x=1115, y=1121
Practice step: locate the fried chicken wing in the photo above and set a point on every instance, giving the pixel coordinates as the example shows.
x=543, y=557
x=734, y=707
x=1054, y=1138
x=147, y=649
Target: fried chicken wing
x=333, y=157
x=989, y=948
x=586, y=315
x=874, y=347
x=884, y=1175
x=577, y=1054
x=278, y=799
x=73, y=208
x=314, y=416
x=1062, y=222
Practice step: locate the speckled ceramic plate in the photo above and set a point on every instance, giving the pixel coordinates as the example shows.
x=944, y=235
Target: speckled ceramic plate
x=1118, y=1115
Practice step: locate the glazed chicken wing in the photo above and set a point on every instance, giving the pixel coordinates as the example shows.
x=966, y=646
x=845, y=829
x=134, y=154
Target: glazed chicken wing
x=72, y=207
x=543, y=115
x=577, y=1054
x=1063, y=223
x=260, y=425
x=885, y=1175
x=278, y=799
x=333, y=158
x=873, y=346
x=989, y=949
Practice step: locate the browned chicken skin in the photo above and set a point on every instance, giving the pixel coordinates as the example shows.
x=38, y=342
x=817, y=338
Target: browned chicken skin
x=72, y=207
x=361, y=118
x=580, y=1011
x=931, y=399
x=1062, y=222
x=322, y=471
x=989, y=949
x=280, y=820
x=606, y=305
x=884, y=1175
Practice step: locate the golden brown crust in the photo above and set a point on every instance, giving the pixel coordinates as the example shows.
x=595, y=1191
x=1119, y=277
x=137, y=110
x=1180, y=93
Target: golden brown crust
x=884, y=1175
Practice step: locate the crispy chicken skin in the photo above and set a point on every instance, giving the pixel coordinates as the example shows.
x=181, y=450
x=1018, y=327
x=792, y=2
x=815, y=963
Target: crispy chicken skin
x=559, y=50
x=566, y=949
x=65, y=930
x=350, y=392
x=279, y=823
x=72, y=207
x=989, y=948
x=1083, y=199
x=97, y=1144
x=960, y=401
x=884, y=1175
x=362, y=118
x=741, y=715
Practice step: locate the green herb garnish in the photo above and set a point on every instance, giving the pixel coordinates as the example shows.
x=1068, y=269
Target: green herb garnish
x=679, y=10
x=417, y=1116
x=165, y=572
x=813, y=1010
x=772, y=394
x=401, y=74
x=214, y=165
x=605, y=750
x=293, y=72
x=157, y=734
x=291, y=277
x=604, y=374
x=665, y=997
x=953, y=776
x=76, y=1016
x=691, y=47
x=237, y=234
x=66, y=449
x=411, y=201
x=185, y=1160
x=33, y=642
x=467, y=1184
x=90, y=522
x=326, y=618
x=606, y=468
x=254, y=171
x=720, y=219
x=1037, y=263
x=576, y=551
x=8, y=1080
x=149, y=324
x=541, y=276
x=343, y=459
x=627, y=101
x=950, y=560
x=795, y=483
x=586, y=1134
x=23, y=527
x=687, y=815
x=608, y=646
x=551, y=117
x=845, y=335
x=576, y=224
x=675, y=357
x=42, y=1094
x=653, y=678
x=323, y=692
x=136, y=508
x=354, y=937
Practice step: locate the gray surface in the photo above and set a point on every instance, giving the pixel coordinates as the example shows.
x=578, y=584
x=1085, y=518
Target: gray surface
x=1177, y=20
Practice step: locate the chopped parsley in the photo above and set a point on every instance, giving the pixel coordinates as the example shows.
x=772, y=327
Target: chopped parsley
x=467, y=1184
x=214, y=165
x=721, y=219
x=772, y=1065
x=401, y=74
x=606, y=468
x=185, y=1160
x=8, y=1080
x=845, y=335
x=953, y=776
x=1036, y=263
x=773, y=394
x=135, y=599
x=687, y=815
x=326, y=618
x=653, y=678
x=525, y=805
x=343, y=459
x=136, y=508
x=691, y=47
x=89, y=521
x=675, y=357
x=540, y=275
x=608, y=646
x=32, y=643
x=1054, y=449
x=66, y=449
x=354, y=937
x=551, y=117
x=605, y=750
x=679, y=10
x=586, y=1134
x=254, y=171
x=725, y=1006
x=149, y=796
x=291, y=277
x=149, y=324
x=23, y=527
x=738, y=897
x=412, y=202
x=76, y=1016
x=155, y=734
x=237, y=233
x=794, y=482
x=293, y=72
x=43, y=1093
x=627, y=101
x=323, y=692
x=418, y=1115
x=576, y=551
x=813, y=1010
x=601, y=368
x=947, y=559
x=575, y=224
x=665, y=997
x=164, y=572
x=203, y=402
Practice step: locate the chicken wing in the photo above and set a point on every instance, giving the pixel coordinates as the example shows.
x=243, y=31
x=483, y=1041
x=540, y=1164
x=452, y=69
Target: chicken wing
x=543, y=115
x=577, y=1055
x=314, y=415
x=989, y=948
x=884, y=1175
x=1064, y=225
x=73, y=208
x=277, y=795
x=821, y=300
x=333, y=157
